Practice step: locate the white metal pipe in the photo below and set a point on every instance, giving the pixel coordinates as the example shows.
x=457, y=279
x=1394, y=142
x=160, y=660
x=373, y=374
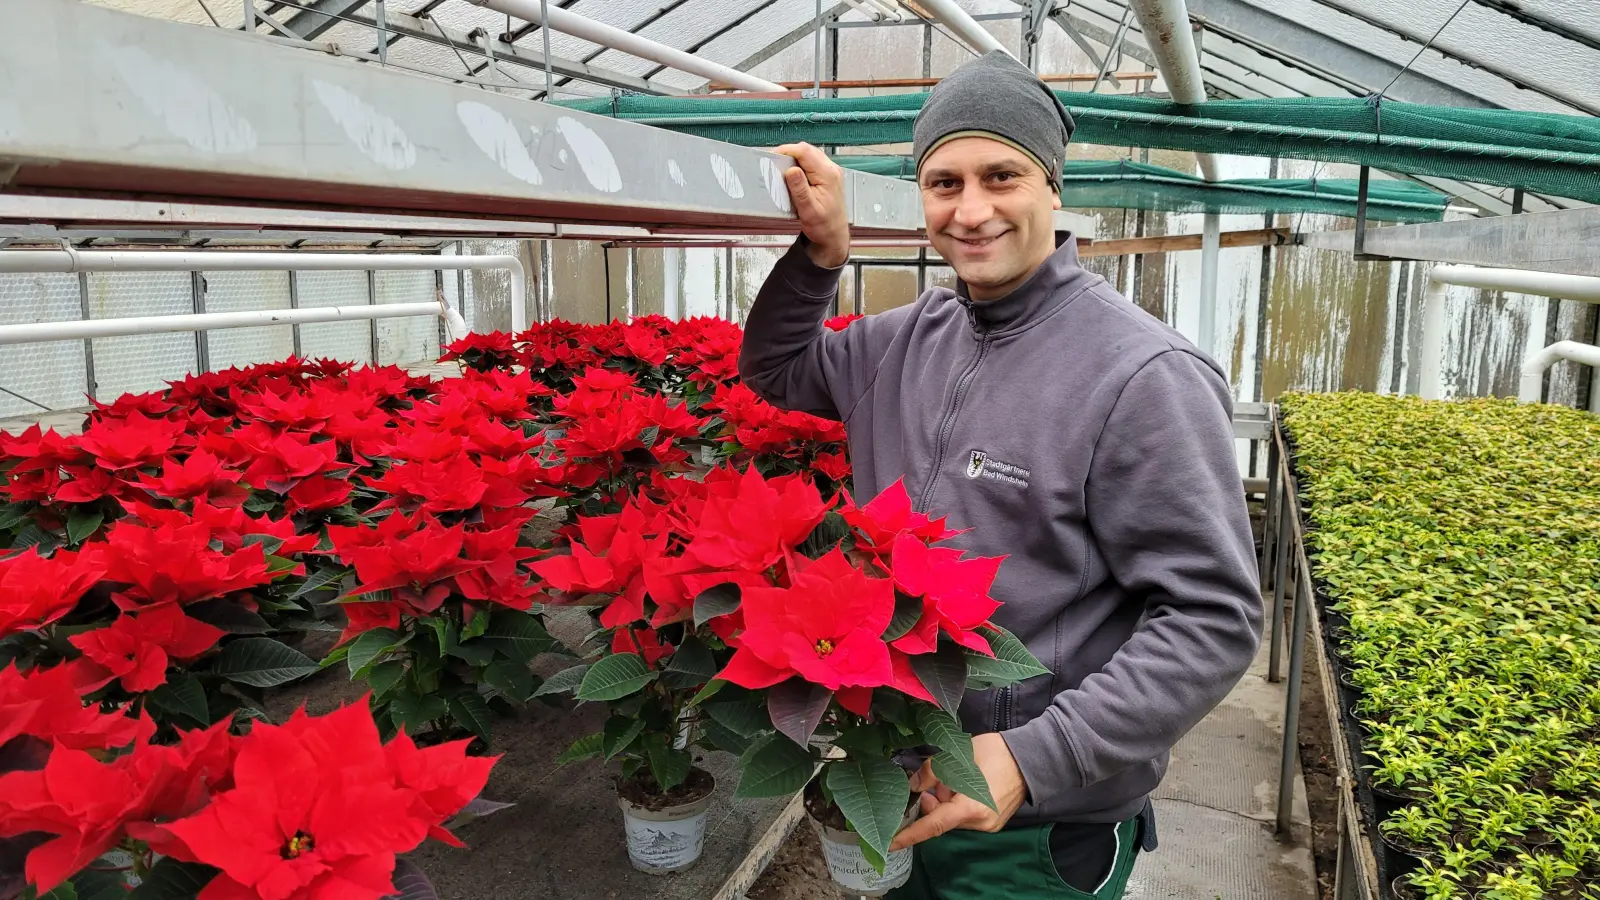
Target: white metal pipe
x=1533, y=367
x=1430, y=377
x=1521, y=281
x=98, y=328
x=1210, y=260
x=628, y=42
x=963, y=26
x=867, y=9
x=891, y=9
x=1165, y=24
x=68, y=259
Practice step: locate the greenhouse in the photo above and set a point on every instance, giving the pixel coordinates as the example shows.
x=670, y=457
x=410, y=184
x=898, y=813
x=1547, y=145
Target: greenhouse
x=1117, y=448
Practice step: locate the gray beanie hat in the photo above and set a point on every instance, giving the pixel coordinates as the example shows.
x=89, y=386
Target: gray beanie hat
x=996, y=96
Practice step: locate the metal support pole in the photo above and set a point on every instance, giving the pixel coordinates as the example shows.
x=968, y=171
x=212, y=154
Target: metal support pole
x=1114, y=50
x=492, y=67
x=1359, y=240
x=1210, y=255
x=380, y=16
x=1279, y=582
x=816, y=55
x=250, y=16
x=1270, y=538
x=294, y=303
x=729, y=252
x=605, y=259
x=372, y=326
x=860, y=300
x=197, y=289
x=544, y=31
x=1291, y=709
x=88, y=343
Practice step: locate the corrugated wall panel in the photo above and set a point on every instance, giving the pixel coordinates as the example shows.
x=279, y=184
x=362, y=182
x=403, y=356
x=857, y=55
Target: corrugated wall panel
x=241, y=292
x=347, y=341
x=144, y=362
x=51, y=374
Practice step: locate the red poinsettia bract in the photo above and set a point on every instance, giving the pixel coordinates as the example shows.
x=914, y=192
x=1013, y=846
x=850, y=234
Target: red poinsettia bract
x=37, y=590
x=319, y=808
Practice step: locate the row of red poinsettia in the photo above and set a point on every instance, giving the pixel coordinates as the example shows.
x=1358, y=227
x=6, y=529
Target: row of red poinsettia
x=165, y=564
x=181, y=547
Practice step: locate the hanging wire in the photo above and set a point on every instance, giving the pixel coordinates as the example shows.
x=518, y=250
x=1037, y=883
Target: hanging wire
x=1379, y=95
x=912, y=7
x=207, y=10
x=7, y=390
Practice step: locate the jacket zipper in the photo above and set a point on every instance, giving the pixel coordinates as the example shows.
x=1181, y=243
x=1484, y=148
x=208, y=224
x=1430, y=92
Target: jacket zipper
x=1002, y=709
x=947, y=428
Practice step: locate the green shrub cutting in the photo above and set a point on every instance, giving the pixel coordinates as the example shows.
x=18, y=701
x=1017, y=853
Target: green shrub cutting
x=1457, y=545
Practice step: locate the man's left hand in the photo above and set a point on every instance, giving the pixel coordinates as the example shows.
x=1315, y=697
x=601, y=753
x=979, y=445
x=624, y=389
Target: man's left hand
x=944, y=810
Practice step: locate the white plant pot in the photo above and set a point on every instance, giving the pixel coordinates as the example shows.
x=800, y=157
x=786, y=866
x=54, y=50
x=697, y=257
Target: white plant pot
x=849, y=867
x=665, y=840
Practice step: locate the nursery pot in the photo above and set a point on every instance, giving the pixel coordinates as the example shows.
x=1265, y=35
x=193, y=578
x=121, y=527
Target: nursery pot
x=848, y=866
x=668, y=838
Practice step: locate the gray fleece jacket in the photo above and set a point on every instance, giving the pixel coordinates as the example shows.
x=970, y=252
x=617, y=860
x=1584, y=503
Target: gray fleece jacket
x=1090, y=444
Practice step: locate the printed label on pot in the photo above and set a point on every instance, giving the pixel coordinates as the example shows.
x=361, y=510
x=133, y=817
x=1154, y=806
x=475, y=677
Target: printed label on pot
x=666, y=845
x=849, y=867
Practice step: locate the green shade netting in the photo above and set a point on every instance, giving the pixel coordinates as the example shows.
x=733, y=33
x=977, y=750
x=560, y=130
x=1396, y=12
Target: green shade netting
x=1543, y=152
x=1124, y=184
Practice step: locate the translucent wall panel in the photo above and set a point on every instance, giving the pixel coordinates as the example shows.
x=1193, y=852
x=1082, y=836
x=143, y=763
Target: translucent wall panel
x=751, y=266
x=578, y=285
x=413, y=339
x=347, y=341
x=702, y=282
x=241, y=292
x=486, y=300
x=143, y=362
x=886, y=287
x=649, y=282
x=51, y=374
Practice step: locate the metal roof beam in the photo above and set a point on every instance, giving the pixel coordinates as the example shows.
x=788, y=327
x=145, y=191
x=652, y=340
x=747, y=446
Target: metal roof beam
x=696, y=47
x=1442, y=46
x=1514, y=9
x=111, y=104
x=830, y=10
x=1289, y=40
x=311, y=23
x=432, y=32
x=1545, y=242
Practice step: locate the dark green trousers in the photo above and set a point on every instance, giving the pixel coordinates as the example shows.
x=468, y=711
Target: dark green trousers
x=1015, y=864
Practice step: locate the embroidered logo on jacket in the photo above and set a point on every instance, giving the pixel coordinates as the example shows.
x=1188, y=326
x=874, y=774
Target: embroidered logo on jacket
x=981, y=465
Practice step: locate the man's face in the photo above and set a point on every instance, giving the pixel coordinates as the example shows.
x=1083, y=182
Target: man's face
x=988, y=209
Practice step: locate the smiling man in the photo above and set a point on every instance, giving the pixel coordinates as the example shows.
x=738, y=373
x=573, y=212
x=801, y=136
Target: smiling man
x=1074, y=434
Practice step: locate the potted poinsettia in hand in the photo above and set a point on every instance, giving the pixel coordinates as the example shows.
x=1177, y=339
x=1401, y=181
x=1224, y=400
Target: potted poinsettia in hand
x=862, y=657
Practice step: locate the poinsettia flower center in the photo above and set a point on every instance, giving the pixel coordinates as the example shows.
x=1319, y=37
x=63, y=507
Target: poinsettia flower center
x=824, y=647
x=299, y=844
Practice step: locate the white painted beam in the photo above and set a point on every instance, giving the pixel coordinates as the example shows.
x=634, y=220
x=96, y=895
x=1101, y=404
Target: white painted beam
x=95, y=100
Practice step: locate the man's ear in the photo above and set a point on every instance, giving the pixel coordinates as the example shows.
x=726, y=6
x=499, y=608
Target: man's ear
x=1055, y=202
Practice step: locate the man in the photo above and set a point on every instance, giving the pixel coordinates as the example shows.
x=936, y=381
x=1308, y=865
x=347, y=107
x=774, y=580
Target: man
x=1074, y=434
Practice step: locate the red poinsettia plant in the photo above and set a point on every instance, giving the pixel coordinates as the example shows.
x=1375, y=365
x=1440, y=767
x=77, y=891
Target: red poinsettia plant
x=741, y=613
x=91, y=803
x=860, y=651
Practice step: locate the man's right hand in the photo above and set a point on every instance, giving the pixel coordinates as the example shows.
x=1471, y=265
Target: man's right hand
x=816, y=187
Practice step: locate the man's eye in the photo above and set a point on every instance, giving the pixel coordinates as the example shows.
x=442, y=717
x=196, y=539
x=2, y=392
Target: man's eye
x=944, y=184
x=1003, y=176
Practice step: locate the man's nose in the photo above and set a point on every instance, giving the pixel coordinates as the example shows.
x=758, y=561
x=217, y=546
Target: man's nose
x=974, y=207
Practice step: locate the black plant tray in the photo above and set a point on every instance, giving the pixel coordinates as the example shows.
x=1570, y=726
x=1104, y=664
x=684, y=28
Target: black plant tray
x=1391, y=862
